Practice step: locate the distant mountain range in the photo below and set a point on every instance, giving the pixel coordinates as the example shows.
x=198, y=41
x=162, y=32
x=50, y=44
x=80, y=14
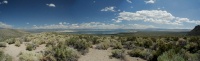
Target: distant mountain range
x=9, y=33
x=105, y=31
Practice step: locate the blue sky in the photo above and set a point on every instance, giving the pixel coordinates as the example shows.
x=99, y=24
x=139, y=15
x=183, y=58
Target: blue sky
x=99, y=14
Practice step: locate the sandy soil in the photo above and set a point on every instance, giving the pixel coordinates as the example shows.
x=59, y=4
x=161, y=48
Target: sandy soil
x=97, y=55
x=14, y=51
x=103, y=55
x=92, y=55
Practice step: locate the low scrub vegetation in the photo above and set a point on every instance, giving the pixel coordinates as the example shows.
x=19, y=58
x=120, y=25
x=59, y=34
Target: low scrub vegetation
x=103, y=45
x=69, y=47
x=30, y=56
x=60, y=53
x=30, y=46
x=2, y=44
x=170, y=55
x=118, y=53
x=10, y=41
x=4, y=57
x=17, y=43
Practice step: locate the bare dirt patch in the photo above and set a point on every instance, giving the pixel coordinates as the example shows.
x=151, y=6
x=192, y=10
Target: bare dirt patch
x=14, y=51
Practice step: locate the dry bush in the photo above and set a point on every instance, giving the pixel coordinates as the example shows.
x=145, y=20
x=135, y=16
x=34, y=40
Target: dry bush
x=103, y=45
x=4, y=57
x=2, y=44
x=10, y=41
x=30, y=46
x=30, y=56
x=118, y=53
x=170, y=55
x=60, y=53
x=17, y=43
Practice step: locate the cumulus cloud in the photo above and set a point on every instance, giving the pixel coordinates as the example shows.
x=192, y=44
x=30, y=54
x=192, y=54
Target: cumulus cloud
x=150, y=1
x=137, y=26
x=5, y=2
x=129, y=1
x=51, y=5
x=111, y=8
x=92, y=25
x=153, y=16
x=3, y=25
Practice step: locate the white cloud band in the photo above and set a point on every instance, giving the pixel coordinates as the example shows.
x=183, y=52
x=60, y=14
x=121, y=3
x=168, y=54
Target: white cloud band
x=3, y=25
x=93, y=25
x=111, y=8
x=51, y=5
x=153, y=16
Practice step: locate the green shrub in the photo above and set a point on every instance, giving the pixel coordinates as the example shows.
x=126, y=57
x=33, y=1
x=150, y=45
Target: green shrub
x=50, y=43
x=136, y=52
x=104, y=45
x=30, y=47
x=96, y=40
x=5, y=57
x=181, y=42
x=80, y=44
x=129, y=45
x=117, y=53
x=2, y=44
x=142, y=53
x=131, y=38
x=61, y=53
x=17, y=43
x=147, y=54
x=148, y=43
x=189, y=56
x=30, y=56
x=192, y=47
x=139, y=42
x=26, y=39
x=10, y=41
x=170, y=55
x=116, y=45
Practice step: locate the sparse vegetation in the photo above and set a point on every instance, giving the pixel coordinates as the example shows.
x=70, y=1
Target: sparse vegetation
x=10, y=41
x=2, y=44
x=4, y=57
x=30, y=46
x=118, y=53
x=69, y=47
x=170, y=55
x=30, y=56
x=17, y=43
x=103, y=45
x=61, y=53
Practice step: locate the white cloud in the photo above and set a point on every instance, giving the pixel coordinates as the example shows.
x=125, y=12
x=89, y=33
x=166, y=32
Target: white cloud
x=3, y=25
x=129, y=1
x=5, y=2
x=111, y=8
x=138, y=26
x=153, y=16
x=92, y=25
x=51, y=5
x=150, y=1
x=131, y=6
x=27, y=23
